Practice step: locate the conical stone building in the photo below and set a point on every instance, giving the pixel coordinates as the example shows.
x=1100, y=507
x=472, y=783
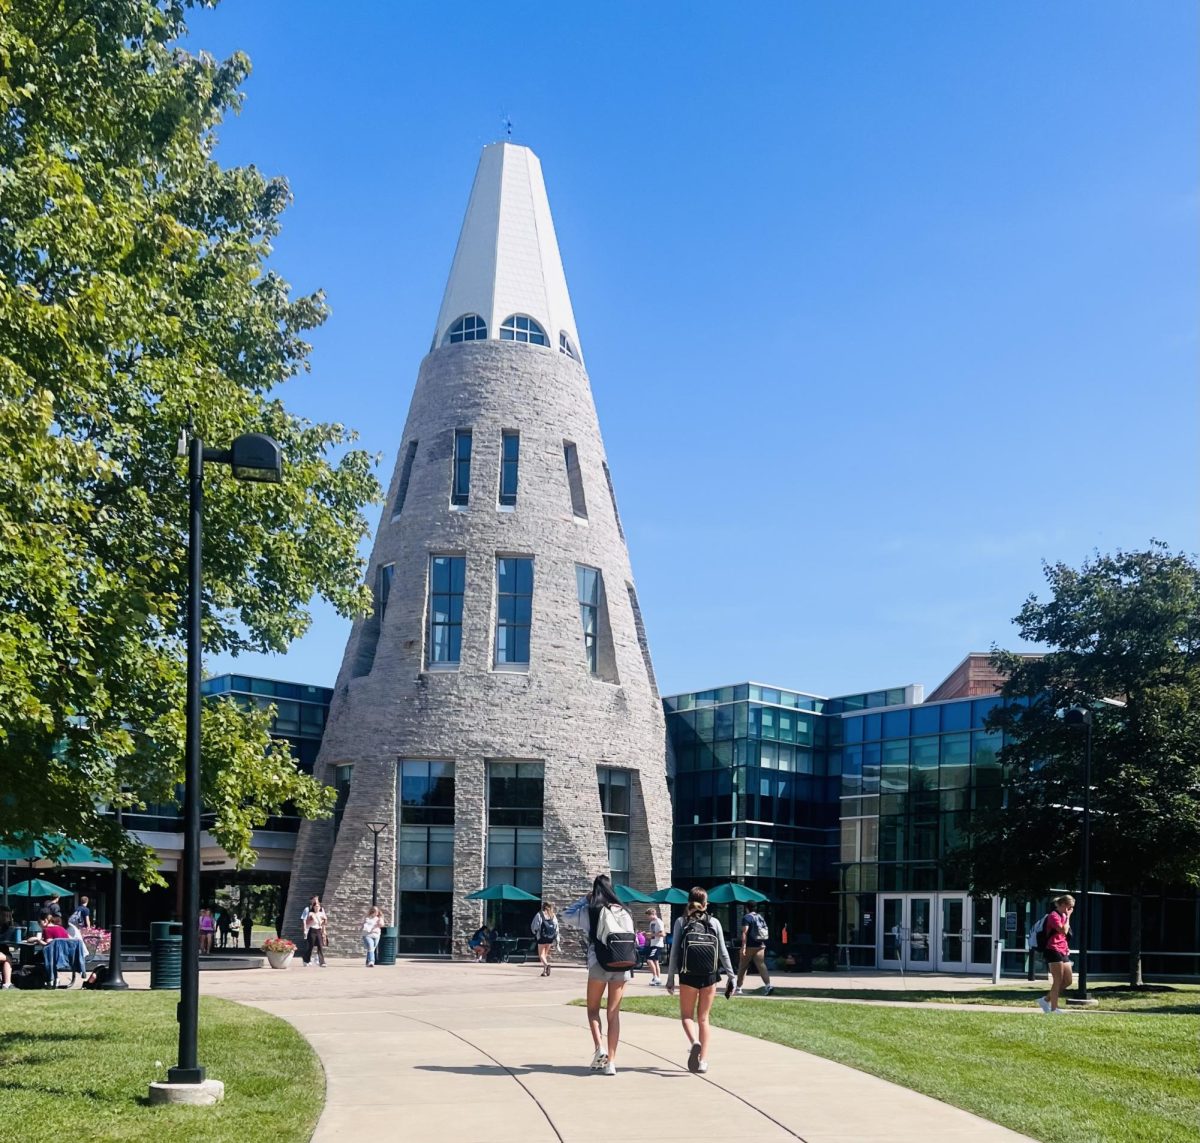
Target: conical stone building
x=496, y=718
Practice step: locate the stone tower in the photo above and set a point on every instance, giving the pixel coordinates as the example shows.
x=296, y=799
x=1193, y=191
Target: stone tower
x=497, y=714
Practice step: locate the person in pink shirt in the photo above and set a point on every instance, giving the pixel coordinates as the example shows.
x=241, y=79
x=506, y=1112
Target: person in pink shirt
x=1057, y=952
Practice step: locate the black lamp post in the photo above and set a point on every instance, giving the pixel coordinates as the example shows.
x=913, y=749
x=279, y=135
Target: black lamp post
x=376, y=829
x=1077, y=716
x=257, y=458
x=115, y=979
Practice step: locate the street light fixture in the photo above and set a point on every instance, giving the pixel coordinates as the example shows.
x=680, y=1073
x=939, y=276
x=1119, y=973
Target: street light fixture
x=1077, y=716
x=114, y=980
x=376, y=829
x=253, y=457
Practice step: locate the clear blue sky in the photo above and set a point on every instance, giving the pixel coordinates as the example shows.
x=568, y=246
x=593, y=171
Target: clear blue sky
x=883, y=304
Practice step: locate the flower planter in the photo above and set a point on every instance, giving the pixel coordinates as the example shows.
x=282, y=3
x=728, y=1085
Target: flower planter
x=280, y=959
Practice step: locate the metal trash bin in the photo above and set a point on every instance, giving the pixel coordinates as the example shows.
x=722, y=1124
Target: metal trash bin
x=386, y=952
x=166, y=954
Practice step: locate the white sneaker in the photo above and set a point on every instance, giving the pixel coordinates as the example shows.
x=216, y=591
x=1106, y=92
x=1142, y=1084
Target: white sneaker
x=693, y=1060
x=1044, y=1005
x=599, y=1059
x=768, y=989
x=610, y=1069
x=702, y=1067
x=737, y=992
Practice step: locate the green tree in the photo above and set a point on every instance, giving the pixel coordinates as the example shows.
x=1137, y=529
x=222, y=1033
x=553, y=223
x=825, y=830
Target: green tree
x=1123, y=627
x=135, y=295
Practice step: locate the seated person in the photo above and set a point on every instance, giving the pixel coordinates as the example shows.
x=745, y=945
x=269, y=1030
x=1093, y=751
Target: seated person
x=52, y=929
x=5, y=971
x=479, y=944
x=8, y=935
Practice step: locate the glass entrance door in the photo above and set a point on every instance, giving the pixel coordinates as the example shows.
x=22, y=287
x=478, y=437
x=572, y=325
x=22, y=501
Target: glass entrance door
x=894, y=931
x=952, y=947
x=920, y=925
x=982, y=929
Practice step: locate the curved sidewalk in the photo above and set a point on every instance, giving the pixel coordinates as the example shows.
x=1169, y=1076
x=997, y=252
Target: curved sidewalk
x=495, y=1052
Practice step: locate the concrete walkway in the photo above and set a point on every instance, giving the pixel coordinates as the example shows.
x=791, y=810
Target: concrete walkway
x=463, y=1051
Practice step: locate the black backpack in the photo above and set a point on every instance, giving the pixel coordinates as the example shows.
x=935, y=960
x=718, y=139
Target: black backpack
x=699, y=954
x=548, y=932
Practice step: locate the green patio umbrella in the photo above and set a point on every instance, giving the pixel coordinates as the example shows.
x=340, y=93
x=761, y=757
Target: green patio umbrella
x=733, y=892
x=630, y=896
x=38, y=888
x=503, y=892
x=670, y=896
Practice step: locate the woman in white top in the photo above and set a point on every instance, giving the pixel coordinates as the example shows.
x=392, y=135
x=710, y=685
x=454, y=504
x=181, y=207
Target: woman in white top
x=656, y=938
x=316, y=921
x=372, y=926
x=585, y=915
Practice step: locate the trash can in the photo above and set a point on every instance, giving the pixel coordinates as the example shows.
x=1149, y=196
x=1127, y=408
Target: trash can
x=166, y=954
x=386, y=952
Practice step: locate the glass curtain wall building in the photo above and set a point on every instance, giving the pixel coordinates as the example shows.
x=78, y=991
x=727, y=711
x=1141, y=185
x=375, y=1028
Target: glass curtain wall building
x=842, y=810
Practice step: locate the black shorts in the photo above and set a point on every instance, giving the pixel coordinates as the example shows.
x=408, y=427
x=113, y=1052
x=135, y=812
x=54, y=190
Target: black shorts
x=699, y=980
x=1053, y=957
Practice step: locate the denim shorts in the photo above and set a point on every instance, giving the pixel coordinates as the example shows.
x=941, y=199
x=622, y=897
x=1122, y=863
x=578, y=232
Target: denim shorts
x=599, y=972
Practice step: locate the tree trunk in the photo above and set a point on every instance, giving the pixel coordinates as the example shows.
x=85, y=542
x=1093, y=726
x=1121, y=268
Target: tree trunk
x=1135, y=939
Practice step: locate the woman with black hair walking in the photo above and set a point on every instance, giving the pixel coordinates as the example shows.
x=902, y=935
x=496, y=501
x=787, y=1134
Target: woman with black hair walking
x=699, y=956
x=611, y=955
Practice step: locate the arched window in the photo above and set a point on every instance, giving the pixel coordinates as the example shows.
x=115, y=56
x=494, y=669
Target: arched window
x=518, y=327
x=469, y=327
x=565, y=346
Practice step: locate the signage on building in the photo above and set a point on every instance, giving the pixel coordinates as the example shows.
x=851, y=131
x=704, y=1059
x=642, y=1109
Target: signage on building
x=1010, y=922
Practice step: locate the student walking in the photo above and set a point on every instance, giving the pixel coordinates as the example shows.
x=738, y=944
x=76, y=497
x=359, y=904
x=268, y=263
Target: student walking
x=372, y=927
x=656, y=939
x=1057, y=927
x=316, y=922
x=544, y=927
x=754, y=951
x=699, y=957
x=611, y=955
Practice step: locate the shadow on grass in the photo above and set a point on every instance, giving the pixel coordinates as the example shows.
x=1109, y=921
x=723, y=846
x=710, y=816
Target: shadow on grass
x=24, y=1037
x=1112, y=999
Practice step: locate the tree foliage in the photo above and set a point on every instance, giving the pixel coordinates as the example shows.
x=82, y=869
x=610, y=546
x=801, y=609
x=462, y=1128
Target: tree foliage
x=135, y=295
x=1123, y=627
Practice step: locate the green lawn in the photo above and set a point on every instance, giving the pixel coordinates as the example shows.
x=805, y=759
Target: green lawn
x=1179, y=998
x=86, y=1059
x=1087, y=1077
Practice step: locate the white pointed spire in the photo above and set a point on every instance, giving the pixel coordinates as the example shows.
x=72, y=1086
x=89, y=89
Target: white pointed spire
x=507, y=260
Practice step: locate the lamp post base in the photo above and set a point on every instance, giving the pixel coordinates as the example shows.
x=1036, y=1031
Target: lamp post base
x=202, y=1094
x=1082, y=1001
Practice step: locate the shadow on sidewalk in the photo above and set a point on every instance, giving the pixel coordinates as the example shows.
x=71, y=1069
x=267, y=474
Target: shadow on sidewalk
x=538, y=1069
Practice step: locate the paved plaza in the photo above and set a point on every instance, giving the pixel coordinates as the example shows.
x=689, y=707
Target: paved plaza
x=428, y=1050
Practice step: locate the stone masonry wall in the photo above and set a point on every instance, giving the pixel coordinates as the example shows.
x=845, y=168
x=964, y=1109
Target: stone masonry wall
x=388, y=705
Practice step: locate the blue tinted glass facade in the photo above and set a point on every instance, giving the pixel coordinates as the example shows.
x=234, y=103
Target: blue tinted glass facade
x=756, y=800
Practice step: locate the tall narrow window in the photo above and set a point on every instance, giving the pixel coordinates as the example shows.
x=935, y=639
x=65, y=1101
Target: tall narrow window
x=515, y=798
x=510, y=455
x=575, y=479
x=588, y=582
x=640, y=628
x=514, y=609
x=447, y=577
x=383, y=588
x=425, y=860
x=410, y=454
x=613, y=497
x=462, y=467
x=614, y=805
x=341, y=783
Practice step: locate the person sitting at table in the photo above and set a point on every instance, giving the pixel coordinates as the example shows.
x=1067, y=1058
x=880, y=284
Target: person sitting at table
x=8, y=933
x=5, y=971
x=52, y=929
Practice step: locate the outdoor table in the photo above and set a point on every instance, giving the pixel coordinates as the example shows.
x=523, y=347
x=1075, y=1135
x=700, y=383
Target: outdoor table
x=503, y=948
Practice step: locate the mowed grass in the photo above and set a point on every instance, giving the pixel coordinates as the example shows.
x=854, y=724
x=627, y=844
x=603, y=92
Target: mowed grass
x=86, y=1059
x=1180, y=998
x=1087, y=1077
